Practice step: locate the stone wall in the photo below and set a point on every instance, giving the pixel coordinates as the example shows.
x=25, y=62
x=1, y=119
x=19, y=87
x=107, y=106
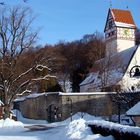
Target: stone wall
x=96, y=104
x=59, y=106
x=34, y=108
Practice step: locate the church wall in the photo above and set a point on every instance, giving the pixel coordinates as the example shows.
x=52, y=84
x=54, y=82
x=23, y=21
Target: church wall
x=124, y=44
x=127, y=82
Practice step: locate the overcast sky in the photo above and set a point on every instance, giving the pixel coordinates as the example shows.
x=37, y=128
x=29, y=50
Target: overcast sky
x=67, y=20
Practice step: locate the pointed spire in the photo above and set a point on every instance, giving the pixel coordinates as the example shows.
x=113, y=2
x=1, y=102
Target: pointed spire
x=110, y=3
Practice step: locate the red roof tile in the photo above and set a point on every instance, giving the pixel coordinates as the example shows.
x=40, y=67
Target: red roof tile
x=123, y=16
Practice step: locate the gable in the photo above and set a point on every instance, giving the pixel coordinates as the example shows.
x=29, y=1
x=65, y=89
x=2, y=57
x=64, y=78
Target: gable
x=109, y=20
x=134, y=61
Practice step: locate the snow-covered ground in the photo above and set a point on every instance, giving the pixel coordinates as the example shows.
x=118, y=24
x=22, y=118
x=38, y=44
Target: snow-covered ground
x=66, y=130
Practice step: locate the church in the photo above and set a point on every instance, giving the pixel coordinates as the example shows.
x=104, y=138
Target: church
x=119, y=70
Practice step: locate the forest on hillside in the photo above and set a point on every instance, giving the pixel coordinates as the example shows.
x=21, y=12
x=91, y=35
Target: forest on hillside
x=71, y=60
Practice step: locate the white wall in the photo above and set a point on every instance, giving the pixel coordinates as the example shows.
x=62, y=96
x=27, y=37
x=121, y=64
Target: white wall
x=111, y=47
x=124, y=44
x=127, y=81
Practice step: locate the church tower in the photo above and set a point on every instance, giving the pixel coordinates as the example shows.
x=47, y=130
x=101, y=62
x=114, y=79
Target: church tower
x=119, y=31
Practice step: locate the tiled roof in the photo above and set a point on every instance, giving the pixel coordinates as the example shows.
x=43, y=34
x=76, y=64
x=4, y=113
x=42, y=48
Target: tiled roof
x=123, y=16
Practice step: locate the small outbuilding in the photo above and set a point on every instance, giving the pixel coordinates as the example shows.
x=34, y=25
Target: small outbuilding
x=134, y=113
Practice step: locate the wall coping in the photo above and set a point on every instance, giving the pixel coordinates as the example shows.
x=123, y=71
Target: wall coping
x=86, y=93
x=36, y=95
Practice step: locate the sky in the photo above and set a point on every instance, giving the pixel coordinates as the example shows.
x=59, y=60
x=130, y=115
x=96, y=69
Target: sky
x=69, y=20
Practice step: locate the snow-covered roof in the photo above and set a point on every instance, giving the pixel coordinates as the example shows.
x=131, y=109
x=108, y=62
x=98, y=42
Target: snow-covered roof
x=118, y=65
x=30, y=96
x=91, y=77
x=134, y=111
x=35, y=95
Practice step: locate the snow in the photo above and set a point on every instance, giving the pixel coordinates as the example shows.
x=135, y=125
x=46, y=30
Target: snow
x=121, y=24
x=77, y=129
x=124, y=120
x=1, y=103
x=135, y=110
x=118, y=65
x=98, y=137
x=119, y=127
x=10, y=124
x=27, y=121
x=86, y=93
x=90, y=78
x=66, y=85
x=66, y=130
x=35, y=95
x=20, y=99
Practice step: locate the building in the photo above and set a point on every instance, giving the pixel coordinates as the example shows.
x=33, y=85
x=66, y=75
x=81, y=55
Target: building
x=119, y=31
x=134, y=113
x=119, y=70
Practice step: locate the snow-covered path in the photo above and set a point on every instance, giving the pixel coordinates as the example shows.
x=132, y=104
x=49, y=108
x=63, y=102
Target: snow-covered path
x=66, y=130
x=52, y=134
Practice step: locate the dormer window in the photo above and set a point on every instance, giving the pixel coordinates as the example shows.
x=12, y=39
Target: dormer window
x=110, y=24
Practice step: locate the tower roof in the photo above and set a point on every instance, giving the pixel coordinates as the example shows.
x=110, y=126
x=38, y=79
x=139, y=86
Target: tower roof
x=122, y=16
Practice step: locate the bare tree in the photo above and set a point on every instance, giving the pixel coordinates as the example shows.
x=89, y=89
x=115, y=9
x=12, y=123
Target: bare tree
x=107, y=69
x=124, y=100
x=16, y=37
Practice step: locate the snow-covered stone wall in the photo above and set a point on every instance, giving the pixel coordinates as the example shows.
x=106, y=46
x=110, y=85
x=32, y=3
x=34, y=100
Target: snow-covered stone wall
x=59, y=106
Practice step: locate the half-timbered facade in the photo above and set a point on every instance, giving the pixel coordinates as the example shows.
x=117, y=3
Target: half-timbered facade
x=119, y=31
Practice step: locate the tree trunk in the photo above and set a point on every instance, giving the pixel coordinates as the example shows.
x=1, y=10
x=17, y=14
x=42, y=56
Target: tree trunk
x=6, y=113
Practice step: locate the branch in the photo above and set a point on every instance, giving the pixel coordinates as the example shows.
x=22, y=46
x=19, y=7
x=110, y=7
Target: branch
x=43, y=78
x=25, y=91
x=41, y=67
x=23, y=74
x=18, y=89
